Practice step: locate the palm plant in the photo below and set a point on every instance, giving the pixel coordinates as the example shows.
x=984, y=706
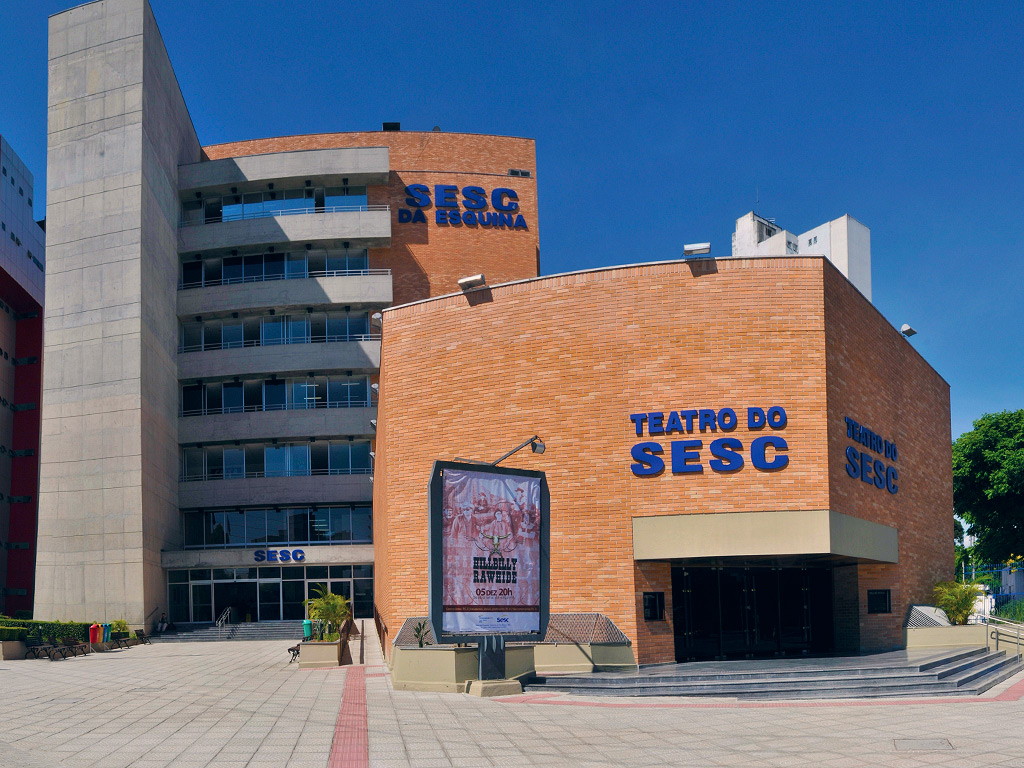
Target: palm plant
x=956, y=599
x=334, y=610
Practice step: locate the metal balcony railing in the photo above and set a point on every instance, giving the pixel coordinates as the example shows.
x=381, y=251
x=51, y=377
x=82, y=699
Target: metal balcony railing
x=212, y=346
x=182, y=286
x=284, y=212
x=262, y=407
x=239, y=475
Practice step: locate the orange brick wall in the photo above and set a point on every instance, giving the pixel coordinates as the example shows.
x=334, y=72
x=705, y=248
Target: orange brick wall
x=427, y=259
x=877, y=378
x=569, y=358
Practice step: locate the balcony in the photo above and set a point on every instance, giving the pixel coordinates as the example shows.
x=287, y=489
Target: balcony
x=363, y=166
x=271, y=491
x=253, y=424
x=282, y=359
x=361, y=288
x=367, y=226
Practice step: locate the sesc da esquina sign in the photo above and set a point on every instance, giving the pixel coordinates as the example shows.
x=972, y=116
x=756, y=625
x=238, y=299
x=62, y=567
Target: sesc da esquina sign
x=489, y=555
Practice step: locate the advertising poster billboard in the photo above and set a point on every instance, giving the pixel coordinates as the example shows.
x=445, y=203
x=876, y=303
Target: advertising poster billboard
x=489, y=567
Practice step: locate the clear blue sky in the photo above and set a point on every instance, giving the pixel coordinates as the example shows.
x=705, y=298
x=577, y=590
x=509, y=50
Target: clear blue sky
x=655, y=128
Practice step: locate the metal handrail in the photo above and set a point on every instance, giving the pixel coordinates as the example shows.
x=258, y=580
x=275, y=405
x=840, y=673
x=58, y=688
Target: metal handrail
x=222, y=621
x=223, y=410
x=325, y=339
x=199, y=477
x=269, y=278
x=283, y=212
x=1017, y=626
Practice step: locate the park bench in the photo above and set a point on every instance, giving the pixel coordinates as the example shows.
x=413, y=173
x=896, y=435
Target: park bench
x=74, y=645
x=35, y=645
x=120, y=642
x=57, y=649
x=142, y=637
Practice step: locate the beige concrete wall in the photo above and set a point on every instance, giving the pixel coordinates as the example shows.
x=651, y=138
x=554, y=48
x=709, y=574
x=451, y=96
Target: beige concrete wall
x=283, y=359
x=363, y=229
x=117, y=129
x=284, y=425
x=934, y=637
x=285, y=295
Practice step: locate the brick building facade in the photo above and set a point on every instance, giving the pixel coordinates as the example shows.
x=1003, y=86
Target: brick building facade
x=773, y=557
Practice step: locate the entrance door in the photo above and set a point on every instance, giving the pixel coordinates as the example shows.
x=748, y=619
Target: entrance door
x=747, y=611
x=240, y=595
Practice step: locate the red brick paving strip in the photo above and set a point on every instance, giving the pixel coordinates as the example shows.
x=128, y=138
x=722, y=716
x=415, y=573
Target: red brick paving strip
x=351, y=745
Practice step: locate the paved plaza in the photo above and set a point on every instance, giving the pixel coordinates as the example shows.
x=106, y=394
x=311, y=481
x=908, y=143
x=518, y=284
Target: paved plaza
x=228, y=705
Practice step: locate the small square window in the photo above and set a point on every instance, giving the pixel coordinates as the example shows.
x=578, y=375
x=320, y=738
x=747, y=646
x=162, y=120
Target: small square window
x=654, y=606
x=30, y=201
x=21, y=191
x=879, y=601
x=5, y=170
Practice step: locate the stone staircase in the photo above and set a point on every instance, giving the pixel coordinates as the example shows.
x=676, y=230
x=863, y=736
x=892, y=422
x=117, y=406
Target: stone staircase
x=197, y=633
x=949, y=672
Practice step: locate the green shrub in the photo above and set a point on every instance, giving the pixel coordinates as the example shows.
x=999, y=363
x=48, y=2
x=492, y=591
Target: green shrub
x=119, y=625
x=23, y=614
x=48, y=629
x=13, y=633
x=1013, y=610
x=956, y=599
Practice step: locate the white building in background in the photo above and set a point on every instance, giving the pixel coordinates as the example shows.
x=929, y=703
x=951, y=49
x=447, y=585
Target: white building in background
x=844, y=241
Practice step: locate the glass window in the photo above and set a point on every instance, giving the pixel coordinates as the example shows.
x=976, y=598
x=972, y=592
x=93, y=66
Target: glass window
x=272, y=330
x=232, y=335
x=234, y=462
x=338, y=456
x=341, y=571
x=320, y=524
x=360, y=457
x=358, y=325
x=233, y=270
x=177, y=577
x=253, y=204
x=202, y=574
x=245, y=574
x=275, y=461
x=362, y=524
x=270, y=601
x=193, y=464
x=345, y=197
x=214, y=463
x=298, y=329
x=215, y=531
x=363, y=571
x=277, y=527
x=202, y=602
x=359, y=390
x=253, y=267
x=223, y=574
x=270, y=573
x=232, y=397
x=316, y=571
x=192, y=212
x=234, y=528
x=192, y=399
x=191, y=337
x=178, y=603
x=337, y=326
x=303, y=393
x=212, y=209
x=341, y=524
x=194, y=529
x=298, y=460
x=298, y=525
x=362, y=599
x=292, y=595
x=293, y=572
x=214, y=400
x=231, y=207
x=274, y=395
x=343, y=588
x=191, y=274
x=273, y=266
x=256, y=526
x=295, y=266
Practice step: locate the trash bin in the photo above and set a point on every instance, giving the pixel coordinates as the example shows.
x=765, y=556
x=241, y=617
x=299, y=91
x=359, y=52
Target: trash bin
x=94, y=633
x=307, y=629
x=106, y=633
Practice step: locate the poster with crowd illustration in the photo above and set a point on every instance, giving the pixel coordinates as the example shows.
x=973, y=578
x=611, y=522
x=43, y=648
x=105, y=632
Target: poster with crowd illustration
x=488, y=550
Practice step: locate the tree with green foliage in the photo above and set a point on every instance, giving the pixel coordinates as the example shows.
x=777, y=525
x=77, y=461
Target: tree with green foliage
x=988, y=484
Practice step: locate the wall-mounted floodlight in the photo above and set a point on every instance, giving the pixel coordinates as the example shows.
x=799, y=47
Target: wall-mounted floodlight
x=373, y=423
x=696, y=249
x=907, y=331
x=375, y=387
x=377, y=318
x=535, y=443
x=473, y=281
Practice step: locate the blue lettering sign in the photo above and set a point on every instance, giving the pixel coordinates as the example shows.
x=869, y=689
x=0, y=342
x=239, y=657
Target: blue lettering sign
x=862, y=465
x=279, y=556
x=503, y=200
x=648, y=463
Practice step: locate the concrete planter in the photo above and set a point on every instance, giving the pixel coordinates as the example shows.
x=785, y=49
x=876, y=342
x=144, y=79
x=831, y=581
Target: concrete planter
x=583, y=658
x=320, y=655
x=445, y=670
x=933, y=637
x=12, y=649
